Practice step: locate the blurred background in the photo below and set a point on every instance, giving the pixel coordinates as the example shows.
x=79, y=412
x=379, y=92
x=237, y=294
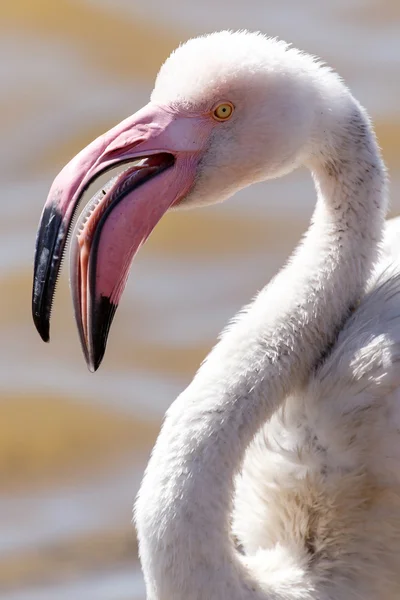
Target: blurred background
x=73, y=445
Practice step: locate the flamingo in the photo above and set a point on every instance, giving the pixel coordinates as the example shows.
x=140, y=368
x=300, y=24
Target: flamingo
x=276, y=473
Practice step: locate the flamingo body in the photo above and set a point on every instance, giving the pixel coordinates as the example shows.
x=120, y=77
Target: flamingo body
x=276, y=473
x=318, y=499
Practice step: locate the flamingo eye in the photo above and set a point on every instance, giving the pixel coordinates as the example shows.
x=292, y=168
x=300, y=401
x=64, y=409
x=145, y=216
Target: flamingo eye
x=223, y=111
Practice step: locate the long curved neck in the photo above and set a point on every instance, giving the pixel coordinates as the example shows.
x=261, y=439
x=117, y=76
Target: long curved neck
x=184, y=505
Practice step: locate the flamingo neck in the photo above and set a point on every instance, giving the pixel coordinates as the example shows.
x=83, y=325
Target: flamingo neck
x=184, y=506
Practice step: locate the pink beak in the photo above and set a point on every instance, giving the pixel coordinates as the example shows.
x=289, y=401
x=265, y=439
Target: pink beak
x=166, y=148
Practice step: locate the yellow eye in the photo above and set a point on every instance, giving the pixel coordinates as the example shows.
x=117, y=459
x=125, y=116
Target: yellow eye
x=223, y=111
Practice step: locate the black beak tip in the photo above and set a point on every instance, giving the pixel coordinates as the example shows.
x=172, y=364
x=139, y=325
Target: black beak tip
x=103, y=315
x=42, y=325
x=41, y=322
x=94, y=361
x=92, y=366
x=50, y=243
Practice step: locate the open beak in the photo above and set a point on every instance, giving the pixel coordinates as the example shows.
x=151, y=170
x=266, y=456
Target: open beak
x=161, y=151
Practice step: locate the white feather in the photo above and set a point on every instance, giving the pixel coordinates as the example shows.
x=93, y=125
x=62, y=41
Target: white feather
x=288, y=435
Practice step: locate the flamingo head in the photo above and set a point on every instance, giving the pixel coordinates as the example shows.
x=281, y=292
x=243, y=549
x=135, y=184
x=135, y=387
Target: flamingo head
x=227, y=110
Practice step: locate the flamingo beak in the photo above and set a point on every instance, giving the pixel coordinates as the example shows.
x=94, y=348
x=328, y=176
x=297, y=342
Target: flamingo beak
x=161, y=151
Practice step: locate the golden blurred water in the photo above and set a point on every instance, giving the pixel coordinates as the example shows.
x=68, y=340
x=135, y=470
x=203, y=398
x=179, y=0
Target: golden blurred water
x=72, y=444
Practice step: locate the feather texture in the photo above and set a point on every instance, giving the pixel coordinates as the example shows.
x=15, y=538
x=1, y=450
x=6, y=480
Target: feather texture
x=287, y=440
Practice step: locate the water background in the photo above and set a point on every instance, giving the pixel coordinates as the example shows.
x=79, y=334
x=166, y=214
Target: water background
x=73, y=445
